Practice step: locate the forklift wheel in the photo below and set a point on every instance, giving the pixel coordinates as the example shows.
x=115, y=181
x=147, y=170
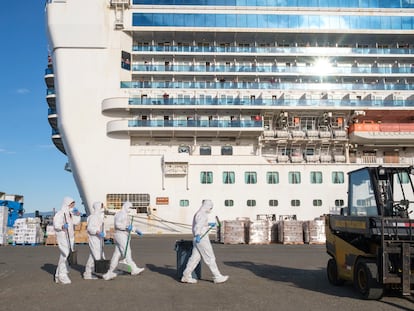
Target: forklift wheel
x=332, y=272
x=365, y=280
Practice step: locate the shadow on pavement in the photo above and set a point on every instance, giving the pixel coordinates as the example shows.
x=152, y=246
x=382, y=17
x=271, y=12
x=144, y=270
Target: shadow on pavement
x=314, y=280
x=49, y=268
x=166, y=270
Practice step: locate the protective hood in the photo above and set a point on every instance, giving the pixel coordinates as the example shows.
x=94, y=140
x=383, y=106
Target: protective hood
x=206, y=206
x=96, y=208
x=200, y=220
x=121, y=218
x=66, y=202
x=126, y=206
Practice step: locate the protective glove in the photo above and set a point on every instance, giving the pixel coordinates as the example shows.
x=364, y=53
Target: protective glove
x=139, y=232
x=129, y=228
x=75, y=211
x=102, y=234
x=198, y=238
x=212, y=224
x=65, y=226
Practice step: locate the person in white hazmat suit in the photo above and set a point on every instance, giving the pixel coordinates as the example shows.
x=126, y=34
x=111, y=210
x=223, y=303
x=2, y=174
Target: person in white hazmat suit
x=202, y=247
x=96, y=233
x=123, y=227
x=63, y=222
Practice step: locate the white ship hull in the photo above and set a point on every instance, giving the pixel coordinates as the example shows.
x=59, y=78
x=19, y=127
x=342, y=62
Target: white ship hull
x=119, y=99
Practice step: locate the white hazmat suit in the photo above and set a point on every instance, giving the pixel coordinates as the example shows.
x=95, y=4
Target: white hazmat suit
x=63, y=222
x=123, y=227
x=202, y=247
x=96, y=233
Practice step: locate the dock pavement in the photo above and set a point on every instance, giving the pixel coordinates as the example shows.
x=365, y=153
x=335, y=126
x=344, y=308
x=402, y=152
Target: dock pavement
x=262, y=277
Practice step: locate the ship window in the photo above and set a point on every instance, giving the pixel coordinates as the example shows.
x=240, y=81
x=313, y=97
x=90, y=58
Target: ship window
x=115, y=201
x=250, y=177
x=228, y=177
x=316, y=177
x=295, y=203
x=228, y=203
x=206, y=177
x=273, y=203
x=403, y=178
x=294, y=177
x=272, y=177
x=251, y=203
x=184, y=149
x=184, y=203
x=205, y=150
x=338, y=177
x=226, y=150
x=317, y=202
x=140, y=201
x=125, y=60
x=339, y=203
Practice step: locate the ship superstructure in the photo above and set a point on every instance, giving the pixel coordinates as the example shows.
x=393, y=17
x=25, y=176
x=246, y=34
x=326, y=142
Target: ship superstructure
x=261, y=106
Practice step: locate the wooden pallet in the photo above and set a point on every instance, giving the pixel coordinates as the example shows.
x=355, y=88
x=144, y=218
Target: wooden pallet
x=292, y=243
x=51, y=240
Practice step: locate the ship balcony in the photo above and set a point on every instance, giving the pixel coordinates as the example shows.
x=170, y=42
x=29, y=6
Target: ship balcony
x=57, y=141
x=381, y=133
x=49, y=78
x=118, y=106
x=185, y=128
x=52, y=118
x=327, y=83
x=51, y=98
x=275, y=70
x=273, y=50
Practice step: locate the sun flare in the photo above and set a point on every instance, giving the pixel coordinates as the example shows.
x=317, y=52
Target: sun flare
x=322, y=66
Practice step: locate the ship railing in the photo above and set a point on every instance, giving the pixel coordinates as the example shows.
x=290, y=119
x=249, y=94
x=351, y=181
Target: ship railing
x=246, y=101
x=196, y=123
x=335, y=51
x=407, y=160
x=270, y=84
x=269, y=68
x=120, y=2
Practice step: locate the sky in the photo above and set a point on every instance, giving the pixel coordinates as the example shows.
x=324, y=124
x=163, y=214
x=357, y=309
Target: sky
x=30, y=164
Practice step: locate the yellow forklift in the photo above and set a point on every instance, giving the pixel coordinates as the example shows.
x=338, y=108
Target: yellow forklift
x=371, y=243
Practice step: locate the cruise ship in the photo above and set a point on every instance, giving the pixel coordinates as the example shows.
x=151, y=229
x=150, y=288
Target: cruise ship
x=262, y=106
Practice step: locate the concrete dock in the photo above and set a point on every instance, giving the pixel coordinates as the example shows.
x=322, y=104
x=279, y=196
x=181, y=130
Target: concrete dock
x=262, y=277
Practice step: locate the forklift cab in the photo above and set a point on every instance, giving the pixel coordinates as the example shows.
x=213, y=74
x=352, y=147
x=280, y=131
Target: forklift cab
x=380, y=191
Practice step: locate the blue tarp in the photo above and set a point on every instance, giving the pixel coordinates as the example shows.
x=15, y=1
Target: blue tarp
x=15, y=211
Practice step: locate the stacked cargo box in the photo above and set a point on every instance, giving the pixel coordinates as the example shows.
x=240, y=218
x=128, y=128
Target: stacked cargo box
x=34, y=232
x=28, y=231
x=50, y=235
x=314, y=231
x=81, y=235
x=19, y=231
x=290, y=232
x=259, y=232
x=4, y=212
x=233, y=231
